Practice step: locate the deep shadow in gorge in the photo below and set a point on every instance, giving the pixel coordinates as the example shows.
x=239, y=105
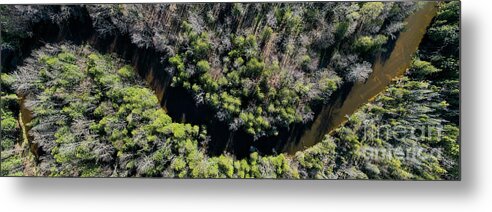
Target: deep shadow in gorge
x=177, y=101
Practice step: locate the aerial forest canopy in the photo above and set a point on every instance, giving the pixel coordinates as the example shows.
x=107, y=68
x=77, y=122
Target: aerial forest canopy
x=260, y=66
x=87, y=104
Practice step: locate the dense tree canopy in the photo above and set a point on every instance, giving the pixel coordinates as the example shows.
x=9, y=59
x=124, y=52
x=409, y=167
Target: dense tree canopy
x=259, y=67
x=94, y=117
x=439, y=56
x=11, y=163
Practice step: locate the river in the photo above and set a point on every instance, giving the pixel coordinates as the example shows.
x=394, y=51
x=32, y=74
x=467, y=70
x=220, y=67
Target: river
x=384, y=72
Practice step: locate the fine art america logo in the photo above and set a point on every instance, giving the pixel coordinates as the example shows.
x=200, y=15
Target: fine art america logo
x=406, y=136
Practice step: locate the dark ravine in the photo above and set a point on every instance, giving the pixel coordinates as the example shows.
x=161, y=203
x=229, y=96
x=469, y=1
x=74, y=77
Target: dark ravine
x=180, y=105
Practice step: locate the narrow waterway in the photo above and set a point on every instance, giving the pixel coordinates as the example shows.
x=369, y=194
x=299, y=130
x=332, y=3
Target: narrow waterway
x=384, y=72
x=25, y=117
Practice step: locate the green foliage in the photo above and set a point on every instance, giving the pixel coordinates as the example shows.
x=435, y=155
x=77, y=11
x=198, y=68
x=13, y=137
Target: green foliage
x=203, y=66
x=249, y=93
x=259, y=53
x=386, y=139
x=104, y=121
x=371, y=10
x=442, y=50
x=369, y=45
x=266, y=34
x=12, y=163
x=260, y=72
x=6, y=80
x=422, y=69
x=126, y=72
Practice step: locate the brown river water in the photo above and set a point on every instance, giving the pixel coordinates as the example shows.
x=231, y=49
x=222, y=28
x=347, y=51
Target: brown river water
x=384, y=72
